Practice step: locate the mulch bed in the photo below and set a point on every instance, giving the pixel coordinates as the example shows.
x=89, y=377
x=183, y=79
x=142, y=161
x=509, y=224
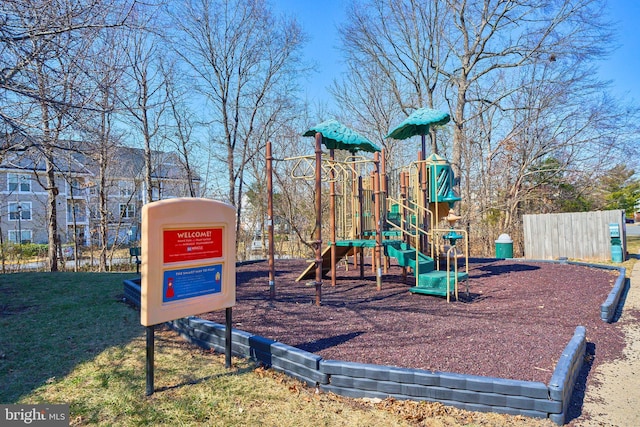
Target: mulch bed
x=514, y=323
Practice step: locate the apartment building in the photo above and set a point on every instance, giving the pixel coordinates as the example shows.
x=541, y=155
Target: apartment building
x=24, y=198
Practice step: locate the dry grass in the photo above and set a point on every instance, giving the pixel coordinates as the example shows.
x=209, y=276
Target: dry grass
x=68, y=338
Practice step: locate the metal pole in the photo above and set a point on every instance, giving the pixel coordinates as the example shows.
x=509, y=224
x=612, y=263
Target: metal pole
x=272, y=284
x=354, y=208
x=384, y=208
x=404, y=216
x=425, y=204
x=150, y=358
x=20, y=224
x=318, y=185
x=332, y=219
x=227, y=338
x=360, y=234
x=375, y=218
x=378, y=250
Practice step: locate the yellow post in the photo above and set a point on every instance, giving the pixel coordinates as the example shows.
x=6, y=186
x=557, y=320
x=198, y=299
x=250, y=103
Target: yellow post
x=378, y=250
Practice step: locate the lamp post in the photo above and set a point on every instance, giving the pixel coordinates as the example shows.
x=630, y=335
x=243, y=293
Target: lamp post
x=20, y=223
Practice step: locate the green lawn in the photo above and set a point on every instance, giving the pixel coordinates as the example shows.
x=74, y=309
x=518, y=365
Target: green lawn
x=51, y=323
x=69, y=338
x=633, y=245
x=633, y=248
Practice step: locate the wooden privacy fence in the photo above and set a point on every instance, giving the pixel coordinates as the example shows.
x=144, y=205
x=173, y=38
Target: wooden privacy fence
x=576, y=235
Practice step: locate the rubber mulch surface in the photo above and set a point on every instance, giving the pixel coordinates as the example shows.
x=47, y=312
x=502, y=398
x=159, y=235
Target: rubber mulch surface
x=514, y=323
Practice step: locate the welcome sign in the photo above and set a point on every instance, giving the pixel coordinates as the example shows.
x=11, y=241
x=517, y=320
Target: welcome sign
x=191, y=245
x=188, y=258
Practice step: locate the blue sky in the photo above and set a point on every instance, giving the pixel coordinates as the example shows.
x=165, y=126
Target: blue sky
x=624, y=65
x=319, y=20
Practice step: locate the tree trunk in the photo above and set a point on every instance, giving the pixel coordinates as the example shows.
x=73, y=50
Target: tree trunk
x=52, y=215
x=104, y=211
x=458, y=133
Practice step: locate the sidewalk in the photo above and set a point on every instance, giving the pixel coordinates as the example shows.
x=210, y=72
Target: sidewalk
x=613, y=396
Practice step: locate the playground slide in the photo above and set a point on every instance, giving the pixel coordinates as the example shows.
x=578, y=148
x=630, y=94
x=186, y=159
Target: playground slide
x=310, y=271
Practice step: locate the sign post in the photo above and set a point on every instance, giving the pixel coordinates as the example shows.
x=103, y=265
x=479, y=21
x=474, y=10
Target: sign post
x=149, y=358
x=188, y=265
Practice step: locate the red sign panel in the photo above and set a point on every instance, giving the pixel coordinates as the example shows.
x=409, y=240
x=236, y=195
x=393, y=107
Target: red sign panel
x=192, y=244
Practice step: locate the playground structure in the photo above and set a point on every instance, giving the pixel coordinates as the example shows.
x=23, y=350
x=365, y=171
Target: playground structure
x=406, y=215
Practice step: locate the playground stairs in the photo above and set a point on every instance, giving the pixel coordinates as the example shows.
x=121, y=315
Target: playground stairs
x=430, y=281
x=395, y=217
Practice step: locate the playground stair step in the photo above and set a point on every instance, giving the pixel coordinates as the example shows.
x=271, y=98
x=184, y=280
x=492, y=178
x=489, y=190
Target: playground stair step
x=395, y=217
x=406, y=257
x=435, y=283
x=385, y=233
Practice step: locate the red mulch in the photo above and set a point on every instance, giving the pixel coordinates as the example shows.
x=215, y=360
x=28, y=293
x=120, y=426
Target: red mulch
x=515, y=322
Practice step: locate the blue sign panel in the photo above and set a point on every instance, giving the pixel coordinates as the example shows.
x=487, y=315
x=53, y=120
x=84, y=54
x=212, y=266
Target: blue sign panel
x=191, y=282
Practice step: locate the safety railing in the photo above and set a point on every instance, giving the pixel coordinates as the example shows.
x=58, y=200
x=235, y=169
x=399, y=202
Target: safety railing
x=413, y=231
x=410, y=228
x=451, y=253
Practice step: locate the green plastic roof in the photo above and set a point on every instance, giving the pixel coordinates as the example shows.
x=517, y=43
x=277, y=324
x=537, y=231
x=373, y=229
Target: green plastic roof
x=418, y=123
x=336, y=135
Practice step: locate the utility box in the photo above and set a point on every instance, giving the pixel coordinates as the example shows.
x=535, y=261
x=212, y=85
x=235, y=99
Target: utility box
x=616, y=243
x=614, y=230
x=504, y=246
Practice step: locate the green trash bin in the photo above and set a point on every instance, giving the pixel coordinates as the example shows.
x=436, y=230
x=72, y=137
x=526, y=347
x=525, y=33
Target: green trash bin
x=616, y=253
x=504, y=246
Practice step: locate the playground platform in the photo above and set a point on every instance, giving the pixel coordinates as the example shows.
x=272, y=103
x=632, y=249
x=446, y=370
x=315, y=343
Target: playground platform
x=431, y=281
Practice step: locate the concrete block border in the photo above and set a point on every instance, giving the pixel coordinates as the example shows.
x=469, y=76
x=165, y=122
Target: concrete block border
x=132, y=291
x=474, y=393
x=609, y=307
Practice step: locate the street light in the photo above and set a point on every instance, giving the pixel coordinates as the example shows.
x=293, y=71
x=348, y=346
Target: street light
x=20, y=223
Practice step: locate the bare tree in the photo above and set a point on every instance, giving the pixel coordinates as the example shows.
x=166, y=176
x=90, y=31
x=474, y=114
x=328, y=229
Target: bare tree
x=512, y=74
x=34, y=31
x=562, y=126
x=181, y=126
x=146, y=101
x=372, y=109
x=45, y=46
x=490, y=38
x=396, y=47
x=432, y=52
x=58, y=82
x=243, y=59
x=100, y=129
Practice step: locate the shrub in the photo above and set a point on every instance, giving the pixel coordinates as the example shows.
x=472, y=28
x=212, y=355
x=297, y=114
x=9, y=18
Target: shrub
x=26, y=250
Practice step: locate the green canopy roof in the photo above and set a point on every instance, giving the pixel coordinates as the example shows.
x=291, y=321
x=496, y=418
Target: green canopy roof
x=336, y=135
x=418, y=123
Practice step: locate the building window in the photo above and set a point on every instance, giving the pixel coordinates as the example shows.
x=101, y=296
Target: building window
x=157, y=190
x=76, y=186
x=76, y=208
x=26, y=236
x=93, y=188
x=127, y=210
x=19, y=211
x=19, y=182
x=126, y=188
